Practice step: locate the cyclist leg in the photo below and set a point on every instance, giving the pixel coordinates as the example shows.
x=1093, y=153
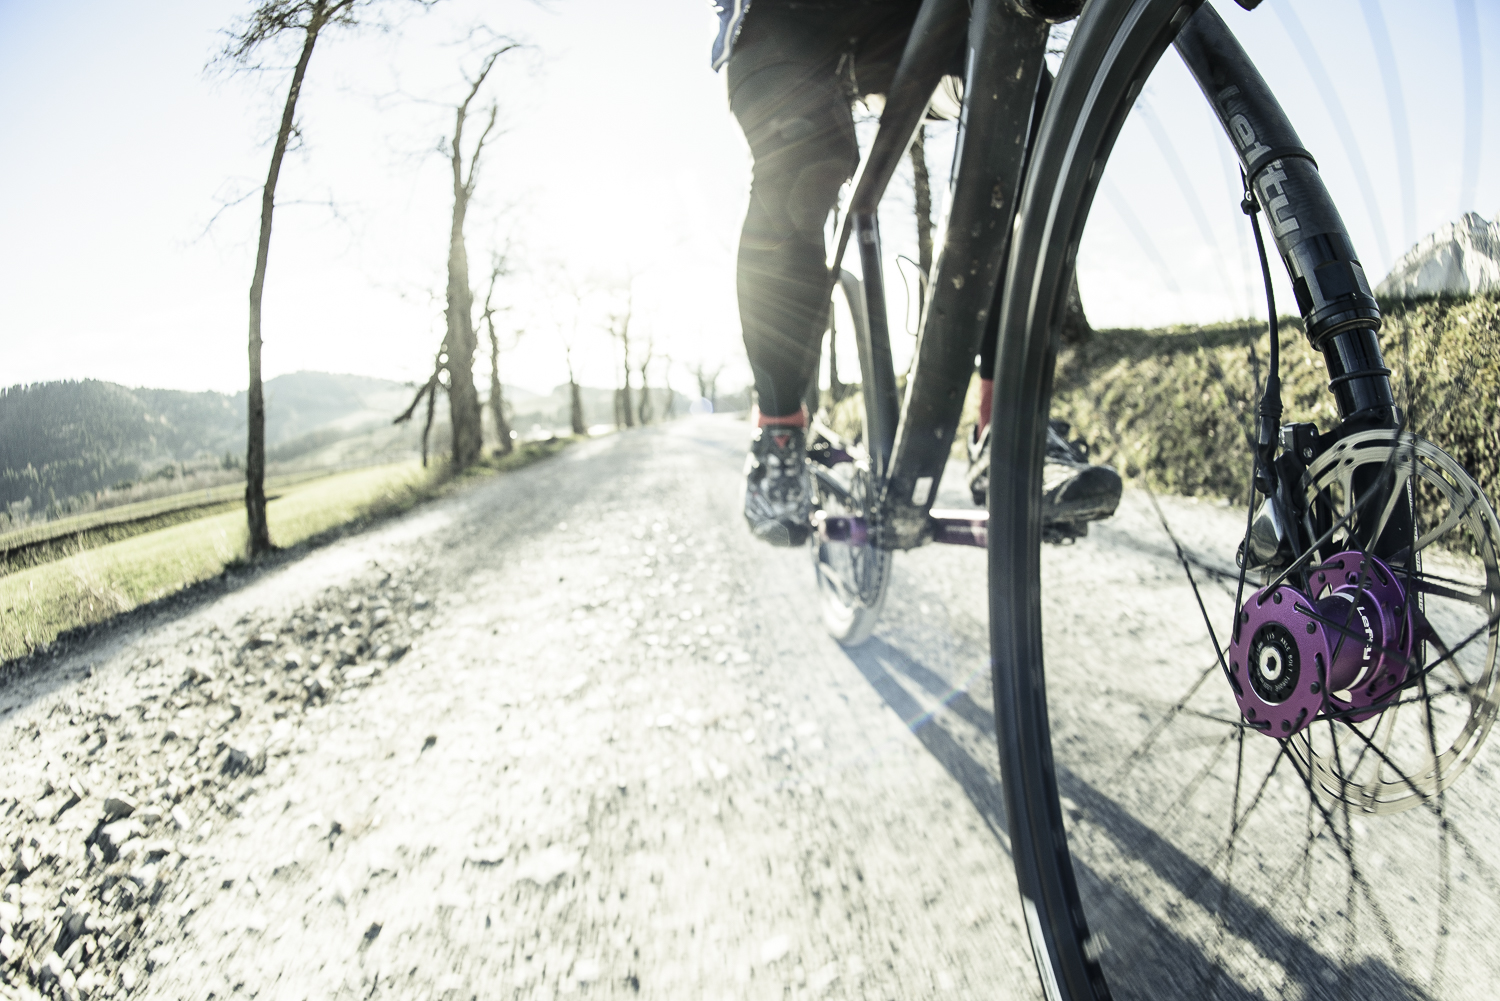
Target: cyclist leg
x=791, y=79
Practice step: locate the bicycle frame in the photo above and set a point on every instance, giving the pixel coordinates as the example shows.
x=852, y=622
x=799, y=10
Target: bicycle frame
x=909, y=444
x=909, y=441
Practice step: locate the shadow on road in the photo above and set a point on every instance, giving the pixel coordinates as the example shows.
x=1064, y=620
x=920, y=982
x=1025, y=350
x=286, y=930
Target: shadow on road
x=1139, y=949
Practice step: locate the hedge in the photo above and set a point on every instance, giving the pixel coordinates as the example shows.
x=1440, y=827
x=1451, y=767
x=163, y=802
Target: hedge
x=1174, y=407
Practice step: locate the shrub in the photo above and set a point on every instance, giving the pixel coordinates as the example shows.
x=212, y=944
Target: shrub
x=1175, y=407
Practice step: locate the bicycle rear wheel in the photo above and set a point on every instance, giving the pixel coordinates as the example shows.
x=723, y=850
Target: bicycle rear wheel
x=853, y=573
x=1165, y=846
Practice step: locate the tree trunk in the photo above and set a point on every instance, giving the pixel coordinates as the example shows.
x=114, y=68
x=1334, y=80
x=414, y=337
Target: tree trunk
x=463, y=398
x=1075, y=323
x=923, y=185
x=835, y=387
x=427, y=428
x=575, y=398
x=627, y=409
x=644, y=410
x=575, y=411
x=497, y=395
x=255, y=452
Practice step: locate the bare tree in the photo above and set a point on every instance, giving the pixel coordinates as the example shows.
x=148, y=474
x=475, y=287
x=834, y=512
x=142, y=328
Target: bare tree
x=497, y=391
x=922, y=185
x=568, y=332
x=461, y=343
x=455, y=358
x=429, y=391
x=575, y=398
x=708, y=381
x=644, y=410
x=669, y=410
x=269, y=21
x=619, y=329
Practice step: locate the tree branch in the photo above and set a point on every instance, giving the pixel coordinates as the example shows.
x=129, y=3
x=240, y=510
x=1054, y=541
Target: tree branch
x=479, y=147
x=429, y=387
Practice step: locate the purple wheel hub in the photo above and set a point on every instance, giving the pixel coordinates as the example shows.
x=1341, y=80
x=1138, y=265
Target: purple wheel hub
x=1342, y=650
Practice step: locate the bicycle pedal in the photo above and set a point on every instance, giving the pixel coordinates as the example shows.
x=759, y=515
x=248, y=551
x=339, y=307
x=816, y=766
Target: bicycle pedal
x=825, y=454
x=1065, y=533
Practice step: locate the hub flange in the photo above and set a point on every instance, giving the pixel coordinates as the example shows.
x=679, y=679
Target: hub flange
x=1344, y=649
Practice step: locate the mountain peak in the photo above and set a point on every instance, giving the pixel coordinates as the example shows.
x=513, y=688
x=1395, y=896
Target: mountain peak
x=1461, y=258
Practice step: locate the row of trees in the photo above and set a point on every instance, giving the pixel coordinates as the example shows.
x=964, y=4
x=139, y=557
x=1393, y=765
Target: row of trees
x=306, y=21
x=453, y=365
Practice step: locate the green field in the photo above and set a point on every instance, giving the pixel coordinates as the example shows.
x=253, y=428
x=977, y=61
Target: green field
x=93, y=585
x=53, y=540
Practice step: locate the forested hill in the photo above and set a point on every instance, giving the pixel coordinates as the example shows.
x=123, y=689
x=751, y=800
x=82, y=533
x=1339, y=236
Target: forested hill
x=61, y=439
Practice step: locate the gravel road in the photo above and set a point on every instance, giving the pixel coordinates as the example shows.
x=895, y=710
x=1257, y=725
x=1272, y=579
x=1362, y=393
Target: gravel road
x=568, y=732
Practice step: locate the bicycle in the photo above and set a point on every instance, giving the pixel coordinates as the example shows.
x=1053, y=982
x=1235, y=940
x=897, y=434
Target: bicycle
x=1355, y=679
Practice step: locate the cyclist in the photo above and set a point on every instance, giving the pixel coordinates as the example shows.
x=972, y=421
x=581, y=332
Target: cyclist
x=794, y=69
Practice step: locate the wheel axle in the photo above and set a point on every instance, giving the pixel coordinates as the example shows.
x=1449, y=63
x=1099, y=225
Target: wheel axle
x=1343, y=649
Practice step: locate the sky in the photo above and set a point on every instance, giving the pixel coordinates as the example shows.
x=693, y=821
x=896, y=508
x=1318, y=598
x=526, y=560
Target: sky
x=131, y=209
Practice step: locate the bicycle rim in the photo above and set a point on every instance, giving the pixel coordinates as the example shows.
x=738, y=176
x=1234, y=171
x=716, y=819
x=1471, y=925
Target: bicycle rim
x=1164, y=847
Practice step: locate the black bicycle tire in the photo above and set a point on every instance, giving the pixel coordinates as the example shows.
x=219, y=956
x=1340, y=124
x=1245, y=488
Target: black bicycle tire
x=1115, y=45
x=864, y=615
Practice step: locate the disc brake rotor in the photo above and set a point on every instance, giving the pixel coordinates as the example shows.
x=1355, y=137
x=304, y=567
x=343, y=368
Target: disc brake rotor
x=1379, y=672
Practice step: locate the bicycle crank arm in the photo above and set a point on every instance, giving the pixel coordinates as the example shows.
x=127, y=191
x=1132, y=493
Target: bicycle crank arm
x=954, y=528
x=960, y=528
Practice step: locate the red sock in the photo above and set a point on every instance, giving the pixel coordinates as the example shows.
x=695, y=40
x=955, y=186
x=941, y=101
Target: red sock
x=796, y=420
x=986, y=403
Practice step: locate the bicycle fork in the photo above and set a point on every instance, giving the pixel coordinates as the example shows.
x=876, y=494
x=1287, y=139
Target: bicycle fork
x=1329, y=635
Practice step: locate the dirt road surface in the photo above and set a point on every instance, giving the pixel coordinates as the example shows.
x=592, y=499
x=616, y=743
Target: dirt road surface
x=569, y=732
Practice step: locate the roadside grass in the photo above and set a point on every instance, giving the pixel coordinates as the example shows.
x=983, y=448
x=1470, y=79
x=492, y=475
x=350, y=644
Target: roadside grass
x=39, y=604
x=37, y=544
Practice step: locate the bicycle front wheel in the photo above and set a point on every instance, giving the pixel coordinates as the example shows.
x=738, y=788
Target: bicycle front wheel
x=1167, y=842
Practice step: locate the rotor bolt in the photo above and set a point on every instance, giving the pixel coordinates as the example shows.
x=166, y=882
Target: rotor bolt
x=1276, y=597
x=1315, y=688
x=1312, y=627
x=1286, y=726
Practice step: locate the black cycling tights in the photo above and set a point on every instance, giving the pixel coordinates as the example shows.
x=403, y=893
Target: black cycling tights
x=796, y=68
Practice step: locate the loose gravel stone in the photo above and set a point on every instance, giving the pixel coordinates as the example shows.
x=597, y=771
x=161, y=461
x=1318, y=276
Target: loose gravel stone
x=549, y=843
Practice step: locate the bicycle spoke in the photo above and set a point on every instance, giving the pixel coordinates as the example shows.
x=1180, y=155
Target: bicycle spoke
x=1357, y=878
x=1437, y=962
x=1342, y=522
x=1337, y=906
x=1145, y=745
x=1421, y=586
x=1226, y=889
x=1218, y=651
x=1238, y=824
x=1191, y=789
